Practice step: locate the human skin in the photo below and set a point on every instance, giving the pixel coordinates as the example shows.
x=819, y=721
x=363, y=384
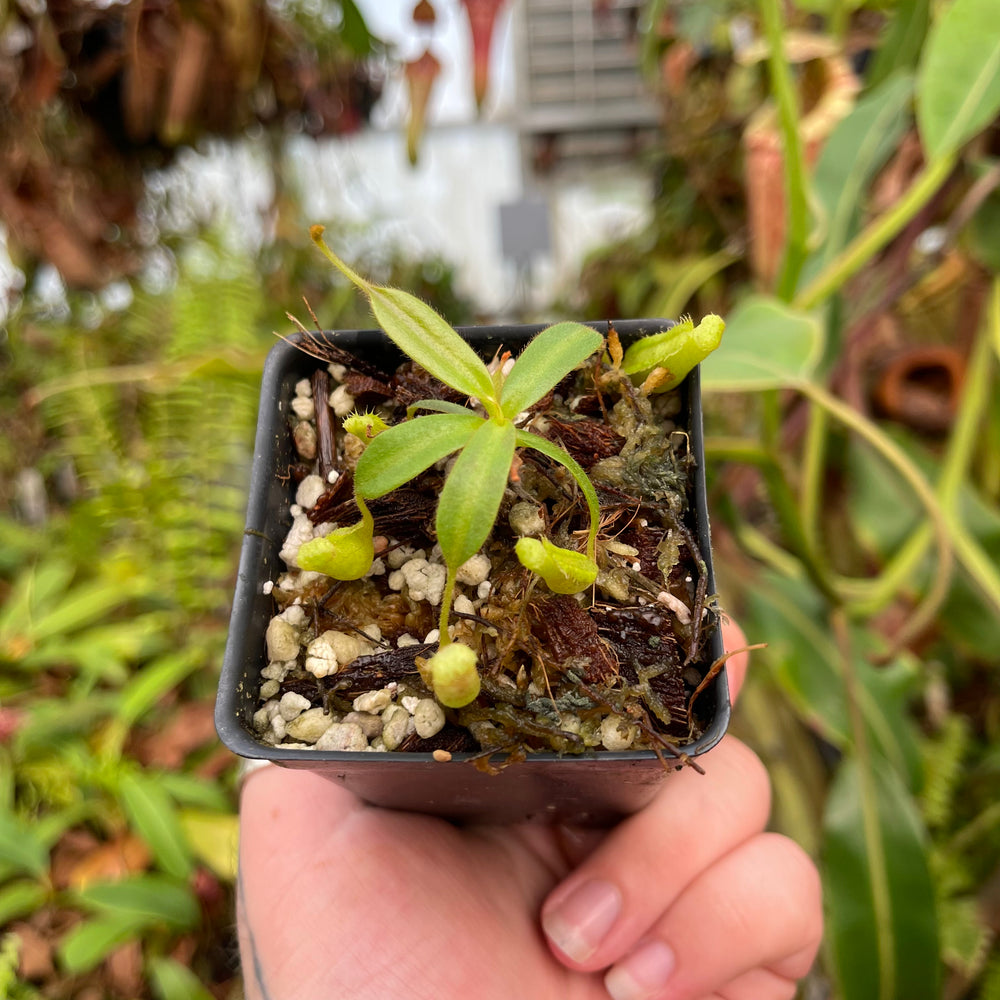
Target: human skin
x=689, y=899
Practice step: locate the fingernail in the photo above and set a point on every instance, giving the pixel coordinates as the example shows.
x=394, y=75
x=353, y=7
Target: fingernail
x=643, y=974
x=581, y=921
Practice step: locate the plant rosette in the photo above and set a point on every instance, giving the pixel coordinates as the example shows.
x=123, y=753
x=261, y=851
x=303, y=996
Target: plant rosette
x=476, y=578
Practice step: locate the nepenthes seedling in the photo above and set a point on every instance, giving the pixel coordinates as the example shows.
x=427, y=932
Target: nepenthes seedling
x=485, y=436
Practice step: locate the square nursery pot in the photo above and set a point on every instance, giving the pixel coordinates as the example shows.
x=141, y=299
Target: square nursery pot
x=597, y=786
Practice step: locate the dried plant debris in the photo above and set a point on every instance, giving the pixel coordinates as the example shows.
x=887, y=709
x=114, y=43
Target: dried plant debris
x=613, y=668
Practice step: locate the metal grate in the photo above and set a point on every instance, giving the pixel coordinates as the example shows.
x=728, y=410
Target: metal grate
x=580, y=68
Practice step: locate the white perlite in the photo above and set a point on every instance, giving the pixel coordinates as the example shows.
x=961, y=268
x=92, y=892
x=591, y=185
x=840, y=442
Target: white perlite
x=341, y=401
x=343, y=736
x=327, y=653
x=310, y=725
x=428, y=717
x=292, y=705
x=282, y=640
x=397, y=724
x=309, y=491
x=300, y=532
x=474, y=571
x=424, y=580
x=303, y=407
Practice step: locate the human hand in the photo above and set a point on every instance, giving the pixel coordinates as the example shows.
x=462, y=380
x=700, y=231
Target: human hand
x=687, y=900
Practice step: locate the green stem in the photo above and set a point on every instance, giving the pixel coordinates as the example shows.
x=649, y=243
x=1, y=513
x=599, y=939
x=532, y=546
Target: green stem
x=915, y=480
x=813, y=467
x=872, y=829
x=796, y=191
x=872, y=239
x=783, y=500
x=449, y=590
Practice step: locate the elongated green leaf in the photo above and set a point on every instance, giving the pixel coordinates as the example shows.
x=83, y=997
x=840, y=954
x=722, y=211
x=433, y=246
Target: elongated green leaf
x=150, y=684
x=90, y=942
x=437, y=406
x=20, y=847
x=805, y=662
x=547, y=359
x=154, y=817
x=767, y=345
x=404, y=451
x=422, y=334
x=173, y=981
x=34, y=588
x=958, y=85
x=856, y=150
x=473, y=490
x=417, y=330
x=881, y=919
x=900, y=47
x=150, y=897
x=19, y=898
x=84, y=605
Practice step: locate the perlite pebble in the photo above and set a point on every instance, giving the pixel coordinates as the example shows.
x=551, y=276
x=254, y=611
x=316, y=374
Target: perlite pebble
x=310, y=725
x=396, y=726
x=371, y=725
x=343, y=736
x=373, y=701
x=616, y=733
x=300, y=532
x=292, y=705
x=474, y=571
x=303, y=407
x=269, y=689
x=304, y=437
x=309, y=491
x=428, y=718
x=341, y=401
x=303, y=387
x=282, y=640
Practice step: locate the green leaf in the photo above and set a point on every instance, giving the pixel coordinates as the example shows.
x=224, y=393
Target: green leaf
x=856, y=150
x=90, y=942
x=19, y=898
x=173, y=981
x=153, y=816
x=417, y=330
x=353, y=29
x=150, y=684
x=407, y=449
x=20, y=847
x=958, y=85
x=768, y=345
x=805, y=662
x=545, y=362
x=33, y=590
x=470, y=498
x=900, y=47
x=152, y=898
x=881, y=919
x=214, y=838
x=85, y=604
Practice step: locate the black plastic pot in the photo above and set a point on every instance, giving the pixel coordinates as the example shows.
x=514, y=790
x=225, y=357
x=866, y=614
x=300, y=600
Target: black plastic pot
x=595, y=788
